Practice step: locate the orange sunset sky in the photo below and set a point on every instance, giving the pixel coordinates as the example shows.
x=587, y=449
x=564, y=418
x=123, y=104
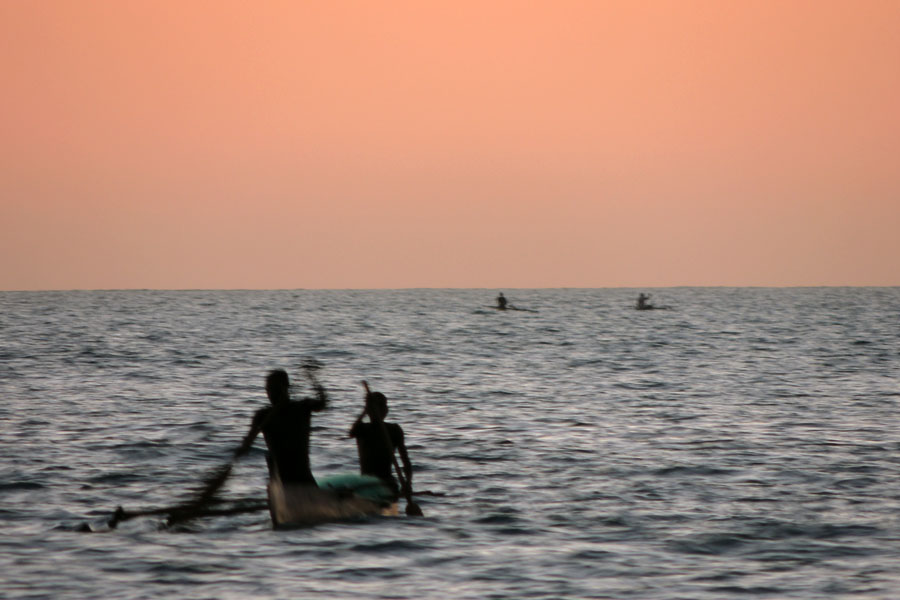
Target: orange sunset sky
x=498, y=144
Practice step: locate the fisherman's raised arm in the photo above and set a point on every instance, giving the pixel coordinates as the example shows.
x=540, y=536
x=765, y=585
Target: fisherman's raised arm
x=320, y=402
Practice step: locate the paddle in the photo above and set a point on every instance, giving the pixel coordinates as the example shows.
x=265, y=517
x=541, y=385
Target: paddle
x=412, y=508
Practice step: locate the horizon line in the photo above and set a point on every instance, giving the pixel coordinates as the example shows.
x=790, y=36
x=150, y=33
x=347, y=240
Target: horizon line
x=365, y=289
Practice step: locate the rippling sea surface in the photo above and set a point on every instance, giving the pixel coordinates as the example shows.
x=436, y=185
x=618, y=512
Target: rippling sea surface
x=743, y=443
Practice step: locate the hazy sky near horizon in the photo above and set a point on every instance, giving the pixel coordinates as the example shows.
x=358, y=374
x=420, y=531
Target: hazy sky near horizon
x=499, y=144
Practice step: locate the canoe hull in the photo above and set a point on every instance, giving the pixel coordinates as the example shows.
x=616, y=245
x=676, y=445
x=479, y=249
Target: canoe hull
x=292, y=505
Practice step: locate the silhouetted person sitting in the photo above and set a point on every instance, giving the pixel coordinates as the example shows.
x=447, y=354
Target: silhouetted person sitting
x=501, y=301
x=285, y=426
x=376, y=442
x=642, y=301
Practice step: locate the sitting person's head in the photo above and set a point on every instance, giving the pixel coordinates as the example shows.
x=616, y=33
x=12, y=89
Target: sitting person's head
x=376, y=403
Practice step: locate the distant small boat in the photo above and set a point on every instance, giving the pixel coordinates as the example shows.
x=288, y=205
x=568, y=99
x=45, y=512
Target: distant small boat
x=338, y=498
x=508, y=307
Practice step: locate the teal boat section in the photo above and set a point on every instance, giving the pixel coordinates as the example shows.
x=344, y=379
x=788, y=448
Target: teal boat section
x=365, y=486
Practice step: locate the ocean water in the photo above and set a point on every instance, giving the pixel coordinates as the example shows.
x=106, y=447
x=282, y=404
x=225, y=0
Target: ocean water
x=744, y=443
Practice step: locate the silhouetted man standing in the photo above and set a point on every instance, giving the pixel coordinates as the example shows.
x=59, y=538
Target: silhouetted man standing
x=286, y=426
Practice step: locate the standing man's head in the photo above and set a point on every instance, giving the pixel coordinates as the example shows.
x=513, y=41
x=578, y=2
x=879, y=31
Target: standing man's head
x=376, y=404
x=278, y=386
